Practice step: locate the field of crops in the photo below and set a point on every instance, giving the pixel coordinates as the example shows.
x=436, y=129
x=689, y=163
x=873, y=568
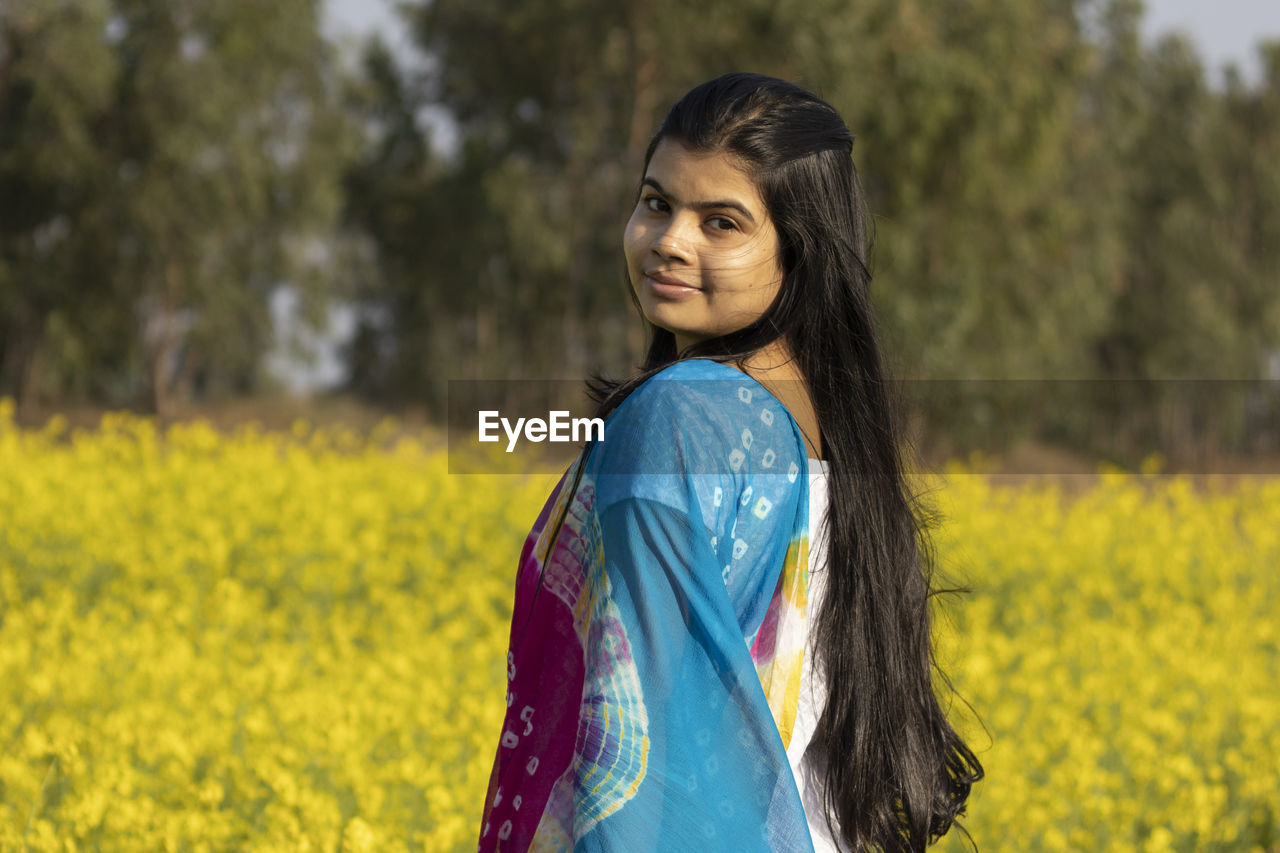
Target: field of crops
x=296, y=642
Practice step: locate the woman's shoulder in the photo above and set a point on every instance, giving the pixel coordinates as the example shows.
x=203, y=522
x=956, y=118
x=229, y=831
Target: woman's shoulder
x=701, y=414
x=698, y=369
x=704, y=438
x=705, y=388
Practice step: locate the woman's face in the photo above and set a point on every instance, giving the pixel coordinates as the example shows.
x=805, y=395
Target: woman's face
x=702, y=252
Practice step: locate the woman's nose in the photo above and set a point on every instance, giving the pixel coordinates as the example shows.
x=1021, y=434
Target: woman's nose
x=673, y=242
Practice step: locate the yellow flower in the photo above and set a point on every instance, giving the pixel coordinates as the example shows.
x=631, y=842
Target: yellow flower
x=295, y=641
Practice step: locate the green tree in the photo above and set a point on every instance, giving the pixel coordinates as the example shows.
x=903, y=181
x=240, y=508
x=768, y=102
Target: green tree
x=1194, y=296
x=1053, y=201
x=1249, y=196
x=964, y=114
x=230, y=143
x=56, y=88
x=504, y=258
x=205, y=174
x=991, y=261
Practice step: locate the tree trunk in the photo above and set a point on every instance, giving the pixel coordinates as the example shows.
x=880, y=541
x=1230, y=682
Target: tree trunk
x=646, y=89
x=20, y=358
x=161, y=351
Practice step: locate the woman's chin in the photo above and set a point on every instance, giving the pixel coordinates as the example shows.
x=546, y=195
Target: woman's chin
x=665, y=319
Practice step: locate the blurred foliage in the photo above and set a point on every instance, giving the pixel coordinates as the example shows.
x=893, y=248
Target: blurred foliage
x=163, y=167
x=1054, y=199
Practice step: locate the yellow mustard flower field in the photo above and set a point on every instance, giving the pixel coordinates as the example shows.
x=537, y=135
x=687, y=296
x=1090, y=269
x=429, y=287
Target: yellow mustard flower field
x=296, y=641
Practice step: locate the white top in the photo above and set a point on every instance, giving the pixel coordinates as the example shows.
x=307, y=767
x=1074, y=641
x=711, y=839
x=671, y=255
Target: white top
x=812, y=691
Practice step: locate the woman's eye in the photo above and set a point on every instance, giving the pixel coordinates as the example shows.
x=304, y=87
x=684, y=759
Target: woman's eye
x=654, y=203
x=721, y=223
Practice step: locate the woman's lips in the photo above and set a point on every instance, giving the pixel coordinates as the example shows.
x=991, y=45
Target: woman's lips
x=668, y=288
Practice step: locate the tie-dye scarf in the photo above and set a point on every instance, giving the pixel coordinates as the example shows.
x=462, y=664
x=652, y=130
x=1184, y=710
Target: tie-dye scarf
x=657, y=638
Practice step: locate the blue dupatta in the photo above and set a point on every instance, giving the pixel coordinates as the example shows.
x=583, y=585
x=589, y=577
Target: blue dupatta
x=657, y=639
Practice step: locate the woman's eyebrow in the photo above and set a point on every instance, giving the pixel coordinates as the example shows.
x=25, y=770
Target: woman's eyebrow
x=703, y=205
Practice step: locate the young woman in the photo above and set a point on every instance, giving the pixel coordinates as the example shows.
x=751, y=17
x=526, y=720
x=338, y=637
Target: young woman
x=685, y=671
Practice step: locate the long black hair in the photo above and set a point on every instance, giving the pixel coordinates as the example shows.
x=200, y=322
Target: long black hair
x=896, y=774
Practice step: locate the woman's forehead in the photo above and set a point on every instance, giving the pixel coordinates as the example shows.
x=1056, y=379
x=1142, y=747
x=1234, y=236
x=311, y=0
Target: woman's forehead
x=700, y=176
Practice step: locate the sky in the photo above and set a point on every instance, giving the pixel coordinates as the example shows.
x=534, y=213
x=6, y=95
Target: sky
x=1223, y=30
